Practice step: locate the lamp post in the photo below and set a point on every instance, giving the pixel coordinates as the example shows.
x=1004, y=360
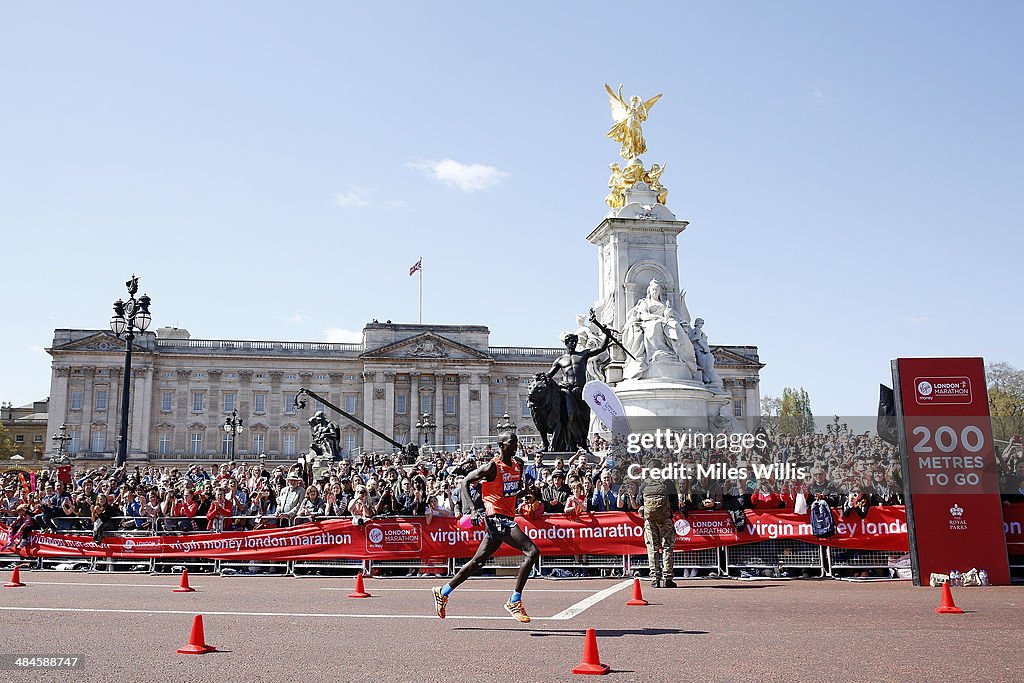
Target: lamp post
x=426, y=427
x=233, y=427
x=129, y=316
x=263, y=463
x=505, y=425
x=61, y=437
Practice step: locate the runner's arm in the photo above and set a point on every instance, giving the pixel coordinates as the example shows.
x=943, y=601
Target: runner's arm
x=486, y=472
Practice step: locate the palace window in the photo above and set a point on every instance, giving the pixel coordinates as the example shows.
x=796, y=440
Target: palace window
x=101, y=399
x=76, y=400
x=258, y=440
x=164, y=443
x=288, y=444
x=524, y=408
x=196, y=443
x=449, y=404
x=350, y=403
x=167, y=401
x=99, y=441
x=260, y=404
x=229, y=402
x=499, y=407
x=197, y=402
x=401, y=404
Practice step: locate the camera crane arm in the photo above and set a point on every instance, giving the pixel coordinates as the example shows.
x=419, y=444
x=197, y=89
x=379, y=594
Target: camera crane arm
x=409, y=449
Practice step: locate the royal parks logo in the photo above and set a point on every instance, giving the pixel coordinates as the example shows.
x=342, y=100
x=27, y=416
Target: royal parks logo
x=956, y=518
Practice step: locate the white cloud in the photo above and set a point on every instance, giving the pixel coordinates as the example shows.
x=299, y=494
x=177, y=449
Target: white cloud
x=357, y=197
x=337, y=335
x=918, y=319
x=466, y=177
x=37, y=349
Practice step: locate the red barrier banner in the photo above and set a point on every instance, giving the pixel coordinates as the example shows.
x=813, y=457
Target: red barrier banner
x=605, y=533
x=951, y=474
x=1013, y=528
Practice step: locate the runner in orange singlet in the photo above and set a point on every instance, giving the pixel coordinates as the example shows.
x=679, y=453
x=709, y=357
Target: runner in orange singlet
x=502, y=482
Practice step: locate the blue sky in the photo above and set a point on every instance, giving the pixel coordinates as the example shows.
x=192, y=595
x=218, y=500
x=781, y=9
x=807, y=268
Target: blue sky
x=851, y=172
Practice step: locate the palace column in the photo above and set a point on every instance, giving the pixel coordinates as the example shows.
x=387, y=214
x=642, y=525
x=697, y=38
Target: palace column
x=370, y=442
x=389, y=404
x=485, y=405
x=438, y=435
x=465, y=433
x=414, y=405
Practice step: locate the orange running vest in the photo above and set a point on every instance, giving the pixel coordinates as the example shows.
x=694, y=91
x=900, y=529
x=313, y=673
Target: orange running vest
x=499, y=495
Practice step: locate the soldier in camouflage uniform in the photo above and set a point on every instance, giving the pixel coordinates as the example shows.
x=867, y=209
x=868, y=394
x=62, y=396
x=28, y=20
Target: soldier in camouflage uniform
x=658, y=502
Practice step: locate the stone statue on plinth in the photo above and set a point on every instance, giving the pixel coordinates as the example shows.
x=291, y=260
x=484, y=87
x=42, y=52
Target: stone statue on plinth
x=705, y=359
x=326, y=438
x=657, y=340
x=558, y=408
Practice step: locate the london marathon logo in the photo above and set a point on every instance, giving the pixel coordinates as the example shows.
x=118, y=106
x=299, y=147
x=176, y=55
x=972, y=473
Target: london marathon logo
x=933, y=390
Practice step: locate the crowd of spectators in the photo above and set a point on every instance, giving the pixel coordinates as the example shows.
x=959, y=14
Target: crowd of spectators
x=850, y=471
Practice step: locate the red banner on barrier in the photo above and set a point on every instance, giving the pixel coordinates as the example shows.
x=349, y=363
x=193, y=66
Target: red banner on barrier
x=606, y=533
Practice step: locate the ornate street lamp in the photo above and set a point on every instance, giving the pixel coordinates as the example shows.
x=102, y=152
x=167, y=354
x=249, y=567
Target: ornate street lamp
x=263, y=463
x=129, y=316
x=233, y=427
x=505, y=425
x=61, y=437
x=426, y=427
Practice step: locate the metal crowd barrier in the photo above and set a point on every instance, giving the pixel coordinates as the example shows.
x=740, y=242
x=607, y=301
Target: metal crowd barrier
x=707, y=559
x=605, y=565
x=781, y=553
x=858, y=560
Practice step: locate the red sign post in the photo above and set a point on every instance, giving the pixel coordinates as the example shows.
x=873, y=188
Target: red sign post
x=950, y=474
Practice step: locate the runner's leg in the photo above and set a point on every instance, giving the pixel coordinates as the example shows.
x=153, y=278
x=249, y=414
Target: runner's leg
x=518, y=539
x=488, y=547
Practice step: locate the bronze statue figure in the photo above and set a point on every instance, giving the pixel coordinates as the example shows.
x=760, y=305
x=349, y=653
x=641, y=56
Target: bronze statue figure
x=567, y=416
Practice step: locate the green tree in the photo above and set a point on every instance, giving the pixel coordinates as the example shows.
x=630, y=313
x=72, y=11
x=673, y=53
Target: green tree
x=7, y=447
x=795, y=416
x=771, y=407
x=1005, y=400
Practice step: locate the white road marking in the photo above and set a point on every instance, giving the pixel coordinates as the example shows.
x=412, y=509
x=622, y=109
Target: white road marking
x=473, y=590
x=94, y=610
x=587, y=603
x=112, y=585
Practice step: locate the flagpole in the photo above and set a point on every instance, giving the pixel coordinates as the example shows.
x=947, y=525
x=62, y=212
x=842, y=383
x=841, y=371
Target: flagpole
x=421, y=290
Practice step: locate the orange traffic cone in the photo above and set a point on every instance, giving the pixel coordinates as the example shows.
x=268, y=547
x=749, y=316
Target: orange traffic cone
x=197, y=641
x=591, y=662
x=638, y=596
x=359, y=591
x=947, y=606
x=15, y=579
x=184, y=587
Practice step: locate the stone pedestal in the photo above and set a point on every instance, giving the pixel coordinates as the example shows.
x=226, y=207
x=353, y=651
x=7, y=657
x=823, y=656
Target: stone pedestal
x=670, y=403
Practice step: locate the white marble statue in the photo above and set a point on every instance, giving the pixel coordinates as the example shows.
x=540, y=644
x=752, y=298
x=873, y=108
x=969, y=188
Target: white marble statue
x=705, y=359
x=654, y=335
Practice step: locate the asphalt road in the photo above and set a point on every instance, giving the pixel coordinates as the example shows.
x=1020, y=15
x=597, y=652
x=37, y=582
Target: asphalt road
x=128, y=626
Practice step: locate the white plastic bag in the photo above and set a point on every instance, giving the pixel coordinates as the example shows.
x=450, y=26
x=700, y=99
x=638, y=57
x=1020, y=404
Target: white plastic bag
x=800, y=505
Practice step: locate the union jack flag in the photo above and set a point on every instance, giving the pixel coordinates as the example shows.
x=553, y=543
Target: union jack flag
x=417, y=266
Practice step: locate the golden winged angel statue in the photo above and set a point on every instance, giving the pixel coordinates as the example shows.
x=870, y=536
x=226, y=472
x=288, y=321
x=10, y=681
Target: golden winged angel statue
x=627, y=118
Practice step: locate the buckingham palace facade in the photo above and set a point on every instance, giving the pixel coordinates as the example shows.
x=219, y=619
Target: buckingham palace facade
x=182, y=389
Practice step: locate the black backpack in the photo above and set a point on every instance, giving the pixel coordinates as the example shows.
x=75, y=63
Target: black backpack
x=822, y=523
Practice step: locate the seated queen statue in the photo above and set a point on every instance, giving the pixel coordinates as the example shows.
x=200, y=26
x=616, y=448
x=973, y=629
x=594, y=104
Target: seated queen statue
x=657, y=339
